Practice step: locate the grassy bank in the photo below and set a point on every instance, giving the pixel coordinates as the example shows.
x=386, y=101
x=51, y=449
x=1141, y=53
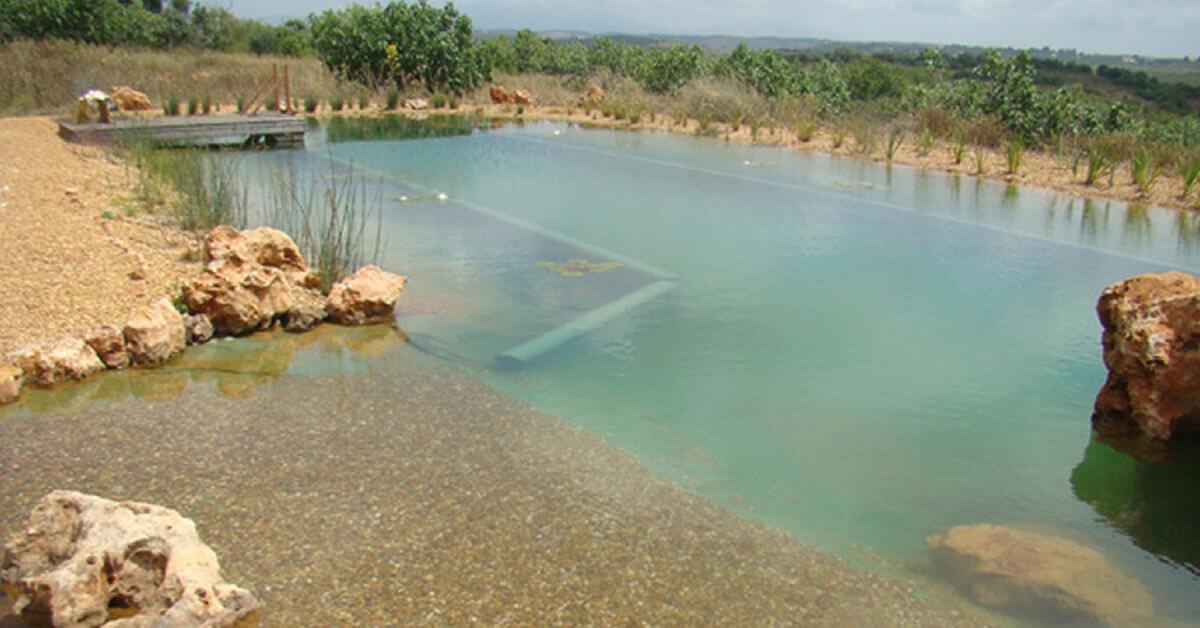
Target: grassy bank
x=47, y=76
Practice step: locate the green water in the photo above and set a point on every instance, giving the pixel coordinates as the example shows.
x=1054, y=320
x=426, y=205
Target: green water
x=858, y=354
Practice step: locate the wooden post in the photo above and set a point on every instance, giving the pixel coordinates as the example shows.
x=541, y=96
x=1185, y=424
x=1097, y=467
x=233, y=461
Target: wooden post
x=287, y=89
x=275, y=84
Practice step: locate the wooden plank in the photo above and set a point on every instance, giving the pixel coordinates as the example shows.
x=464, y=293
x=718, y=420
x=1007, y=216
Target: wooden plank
x=221, y=129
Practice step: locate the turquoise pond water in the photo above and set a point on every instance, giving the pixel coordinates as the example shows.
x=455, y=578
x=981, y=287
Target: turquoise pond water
x=860, y=355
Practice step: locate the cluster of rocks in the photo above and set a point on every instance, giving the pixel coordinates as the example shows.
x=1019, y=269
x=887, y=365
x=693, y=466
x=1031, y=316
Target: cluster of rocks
x=84, y=561
x=1152, y=351
x=501, y=96
x=253, y=280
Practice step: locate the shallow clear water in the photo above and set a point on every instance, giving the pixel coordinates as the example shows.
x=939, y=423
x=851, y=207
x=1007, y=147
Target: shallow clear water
x=858, y=354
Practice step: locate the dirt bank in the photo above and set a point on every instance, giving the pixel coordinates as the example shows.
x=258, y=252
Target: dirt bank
x=71, y=260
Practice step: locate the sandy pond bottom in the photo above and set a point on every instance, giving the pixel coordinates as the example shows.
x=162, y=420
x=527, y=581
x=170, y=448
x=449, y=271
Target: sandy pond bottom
x=401, y=491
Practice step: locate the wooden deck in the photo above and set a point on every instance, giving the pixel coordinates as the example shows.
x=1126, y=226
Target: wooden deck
x=214, y=130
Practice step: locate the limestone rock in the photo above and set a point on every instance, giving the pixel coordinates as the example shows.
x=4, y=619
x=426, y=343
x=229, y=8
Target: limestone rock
x=1152, y=350
x=62, y=361
x=198, y=328
x=499, y=95
x=522, y=97
x=595, y=94
x=264, y=245
x=307, y=311
x=129, y=99
x=416, y=104
x=11, y=379
x=154, y=334
x=80, y=556
x=368, y=296
x=109, y=344
x=239, y=300
x=1019, y=570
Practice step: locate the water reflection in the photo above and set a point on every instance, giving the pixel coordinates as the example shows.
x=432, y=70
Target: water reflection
x=1156, y=504
x=399, y=127
x=235, y=367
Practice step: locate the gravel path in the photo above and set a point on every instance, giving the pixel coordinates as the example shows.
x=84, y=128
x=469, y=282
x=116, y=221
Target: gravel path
x=416, y=495
x=63, y=269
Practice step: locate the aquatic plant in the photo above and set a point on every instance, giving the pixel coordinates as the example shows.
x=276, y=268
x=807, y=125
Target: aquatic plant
x=1189, y=171
x=958, y=147
x=894, y=139
x=327, y=217
x=193, y=106
x=171, y=106
x=1145, y=168
x=1013, y=151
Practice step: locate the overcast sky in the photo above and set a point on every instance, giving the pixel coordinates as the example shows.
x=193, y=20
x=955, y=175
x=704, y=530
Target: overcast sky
x=1150, y=27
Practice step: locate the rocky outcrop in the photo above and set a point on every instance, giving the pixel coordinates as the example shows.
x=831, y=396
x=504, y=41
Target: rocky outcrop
x=499, y=95
x=11, y=379
x=1023, y=571
x=66, y=360
x=366, y=297
x=109, y=344
x=81, y=559
x=522, y=97
x=154, y=334
x=416, y=104
x=248, y=281
x=129, y=99
x=1152, y=351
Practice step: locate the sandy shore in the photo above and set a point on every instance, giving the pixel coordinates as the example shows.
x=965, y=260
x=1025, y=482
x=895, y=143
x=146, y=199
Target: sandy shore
x=71, y=261
x=415, y=494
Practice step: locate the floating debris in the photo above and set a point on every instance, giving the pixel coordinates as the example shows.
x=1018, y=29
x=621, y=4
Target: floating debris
x=579, y=267
x=760, y=164
x=856, y=185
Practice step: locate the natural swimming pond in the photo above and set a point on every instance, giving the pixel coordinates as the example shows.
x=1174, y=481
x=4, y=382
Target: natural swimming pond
x=857, y=354
x=860, y=355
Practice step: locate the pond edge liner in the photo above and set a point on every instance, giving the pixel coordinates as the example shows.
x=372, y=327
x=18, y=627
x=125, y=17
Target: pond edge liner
x=587, y=322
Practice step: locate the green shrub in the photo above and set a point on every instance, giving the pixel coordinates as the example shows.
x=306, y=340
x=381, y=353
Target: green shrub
x=393, y=99
x=1189, y=171
x=193, y=106
x=364, y=102
x=925, y=142
x=958, y=147
x=206, y=104
x=980, y=159
x=241, y=104
x=894, y=139
x=171, y=106
x=806, y=128
x=337, y=103
x=438, y=100
x=310, y=104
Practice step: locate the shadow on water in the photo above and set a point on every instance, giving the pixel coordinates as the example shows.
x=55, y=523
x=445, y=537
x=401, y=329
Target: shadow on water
x=236, y=367
x=399, y=127
x=1156, y=504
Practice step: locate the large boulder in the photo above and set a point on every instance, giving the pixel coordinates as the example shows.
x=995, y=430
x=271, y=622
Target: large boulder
x=109, y=344
x=11, y=379
x=1027, y=572
x=264, y=246
x=499, y=95
x=82, y=557
x=239, y=299
x=307, y=311
x=1152, y=350
x=129, y=99
x=66, y=360
x=199, y=329
x=366, y=297
x=522, y=97
x=154, y=334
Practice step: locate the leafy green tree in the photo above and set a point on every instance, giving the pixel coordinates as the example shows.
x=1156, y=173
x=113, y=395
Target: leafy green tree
x=1011, y=93
x=830, y=87
x=765, y=71
x=667, y=70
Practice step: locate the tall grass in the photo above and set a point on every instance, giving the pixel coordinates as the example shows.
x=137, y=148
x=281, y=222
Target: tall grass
x=1145, y=168
x=894, y=139
x=327, y=217
x=1189, y=171
x=201, y=188
x=47, y=76
x=1013, y=152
